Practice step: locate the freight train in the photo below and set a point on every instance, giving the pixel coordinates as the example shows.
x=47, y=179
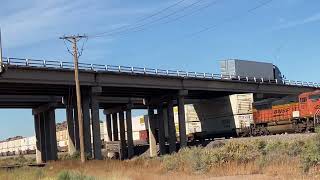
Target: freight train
x=27, y=145
x=233, y=116
x=292, y=114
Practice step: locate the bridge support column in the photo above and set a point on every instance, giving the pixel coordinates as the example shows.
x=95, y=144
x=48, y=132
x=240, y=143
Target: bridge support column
x=161, y=130
x=122, y=135
x=182, y=121
x=45, y=129
x=38, y=124
x=152, y=133
x=86, y=124
x=129, y=133
x=76, y=127
x=53, y=134
x=109, y=130
x=96, y=128
x=70, y=127
x=171, y=128
x=115, y=132
x=96, y=133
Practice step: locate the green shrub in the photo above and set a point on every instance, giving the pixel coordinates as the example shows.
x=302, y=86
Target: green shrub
x=74, y=156
x=198, y=159
x=295, y=148
x=261, y=145
x=311, y=154
x=39, y=174
x=171, y=162
x=201, y=159
x=240, y=152
x=73, y=175
x=262, y=152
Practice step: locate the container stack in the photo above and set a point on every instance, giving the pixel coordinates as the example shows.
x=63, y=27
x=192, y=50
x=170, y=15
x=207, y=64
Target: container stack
x=223, y=116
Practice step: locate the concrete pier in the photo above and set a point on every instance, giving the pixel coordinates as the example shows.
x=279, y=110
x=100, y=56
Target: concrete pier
x=40, y=158
x=52, y=139
x=70, y=127
x=152, y=133
x=115, y=133
x=122, y=135
x=96, y=128
x=86, y=124
x=76, y=127
x=182, y=122
x=161, y=130
x=109, y=131
x=129, y=133
x=45, y=129
x=171, y=127
x=109, y=128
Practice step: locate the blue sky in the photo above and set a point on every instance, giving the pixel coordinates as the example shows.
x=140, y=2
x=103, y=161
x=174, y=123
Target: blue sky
x=284, y=32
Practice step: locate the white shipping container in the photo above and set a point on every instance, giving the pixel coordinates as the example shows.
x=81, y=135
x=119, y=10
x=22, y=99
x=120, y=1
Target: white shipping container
x=102, y=129
x=102, y=132
x=221, y=115
x=17, y=145
x=237, y=104
x=32, y=143
x=193, y=127
x=226, y=125
x=5, y=146
x=10, y=144
x=241, y=103
x=1, y=147
x=138, y=123
x=136, y=135
x=62, y=144
x=24, y=144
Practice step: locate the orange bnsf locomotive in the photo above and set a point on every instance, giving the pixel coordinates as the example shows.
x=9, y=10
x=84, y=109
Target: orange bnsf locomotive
x=292, y=114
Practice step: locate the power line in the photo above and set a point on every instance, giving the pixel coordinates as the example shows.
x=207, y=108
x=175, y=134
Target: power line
x=151, y=22
x=201, y=7
x=161, y=11
x=226, y=20
x=278, y=50
x=141, y=19
x=192, y=12
x=233, y=18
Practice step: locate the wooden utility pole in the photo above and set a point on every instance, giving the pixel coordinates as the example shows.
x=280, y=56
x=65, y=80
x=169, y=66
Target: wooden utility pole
x=73, y=40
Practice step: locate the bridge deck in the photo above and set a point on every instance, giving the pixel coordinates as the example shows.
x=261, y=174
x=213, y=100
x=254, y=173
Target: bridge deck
x=54, y=78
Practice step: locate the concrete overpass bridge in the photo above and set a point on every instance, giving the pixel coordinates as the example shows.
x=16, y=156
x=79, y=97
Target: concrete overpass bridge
x=45, y=85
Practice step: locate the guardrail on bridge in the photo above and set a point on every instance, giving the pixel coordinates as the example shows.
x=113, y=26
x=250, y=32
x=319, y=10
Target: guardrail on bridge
x=48, y=64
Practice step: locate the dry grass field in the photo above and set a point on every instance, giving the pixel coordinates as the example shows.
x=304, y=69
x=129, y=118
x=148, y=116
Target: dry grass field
x=256, y=158
x=153, y=169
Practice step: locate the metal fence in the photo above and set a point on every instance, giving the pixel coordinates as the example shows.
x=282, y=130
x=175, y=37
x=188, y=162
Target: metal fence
x=44, y=64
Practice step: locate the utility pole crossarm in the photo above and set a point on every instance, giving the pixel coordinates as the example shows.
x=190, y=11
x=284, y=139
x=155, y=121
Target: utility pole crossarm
x=74, y=39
